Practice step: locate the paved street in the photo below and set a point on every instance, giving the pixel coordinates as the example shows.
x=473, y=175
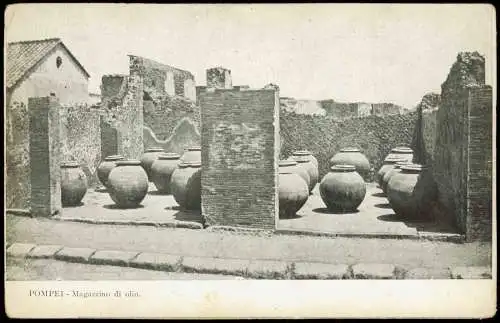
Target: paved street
x=49, y=269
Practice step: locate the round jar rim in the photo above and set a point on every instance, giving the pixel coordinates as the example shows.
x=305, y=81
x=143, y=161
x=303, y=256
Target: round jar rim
x=128, y=162
x=194, y=148
x=394, y=160
x=154, y=149
x=343, y=168
x=350, y=150
x=402, y=150
x=302, y=159
x=194, y=164
x=301, y=153
x=169, y=156
x=70, y=164
x=113, y=157
x=413, y=167
x=286, y=163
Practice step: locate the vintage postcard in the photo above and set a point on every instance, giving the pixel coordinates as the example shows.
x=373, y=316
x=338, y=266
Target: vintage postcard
x=250, y=160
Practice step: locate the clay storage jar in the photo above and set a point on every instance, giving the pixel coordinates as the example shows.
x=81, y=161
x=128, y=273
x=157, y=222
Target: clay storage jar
x=307, y=154
x=293, y=190
x=192, y=154
x=387, y=165
x=162, y=169
x=411, y=192
x=148, y=159
x=105, y=168
x=352, y=156
x=395, y=169
x=185, y=185
x=73, y=184
x=401, y=152
x=312, y=171
x=128, y=183
x=300, y=170
x=342, y=189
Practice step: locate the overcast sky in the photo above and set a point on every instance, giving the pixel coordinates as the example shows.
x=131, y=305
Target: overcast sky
x=352, y=52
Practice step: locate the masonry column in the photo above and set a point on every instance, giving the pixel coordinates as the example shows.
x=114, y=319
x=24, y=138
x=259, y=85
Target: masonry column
x=240, y=151
x=45, y=154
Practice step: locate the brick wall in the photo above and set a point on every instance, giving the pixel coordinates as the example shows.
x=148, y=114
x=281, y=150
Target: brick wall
x=479, y=195
x=325, y=136
x=462, y=153
x=239, y=157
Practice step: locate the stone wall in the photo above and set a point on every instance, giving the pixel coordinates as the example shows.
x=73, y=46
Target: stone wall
x=17, y=167
x=163, y=114
x=184, y=135
x=325, y=136
x=81, y=138
x=462, y=156
x=239, y=158
x=122, y=110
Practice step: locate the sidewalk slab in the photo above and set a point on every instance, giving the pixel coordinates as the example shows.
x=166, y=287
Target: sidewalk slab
x=471, y=273
x=20, y=250
x=269, y=269
x=373, y=271
x=215, y=265
x=75, y=254
x=311, y=270
x=45, y=251
x=156, y=261
x=428, y=273
x=112, y=257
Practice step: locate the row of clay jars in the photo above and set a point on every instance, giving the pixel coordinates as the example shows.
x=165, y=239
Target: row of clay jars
x=73, y=184
x=293, y=189
x=405, y=153
x=387, y=165
x=308, y=162
x=354, y=157
x=411, y=192
x=193, y=154
x=342, y=189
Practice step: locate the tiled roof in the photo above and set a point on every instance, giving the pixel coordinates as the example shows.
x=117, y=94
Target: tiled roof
x=24, y=55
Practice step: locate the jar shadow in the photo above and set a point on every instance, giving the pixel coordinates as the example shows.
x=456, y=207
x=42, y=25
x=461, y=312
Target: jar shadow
x=117, y=207
x=324, y=210
x=74, y=205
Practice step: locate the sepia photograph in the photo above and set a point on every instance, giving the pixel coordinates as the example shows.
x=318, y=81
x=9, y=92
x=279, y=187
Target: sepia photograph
x=252, y=146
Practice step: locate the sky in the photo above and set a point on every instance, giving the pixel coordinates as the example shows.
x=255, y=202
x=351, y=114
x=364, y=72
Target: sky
x=346, y=52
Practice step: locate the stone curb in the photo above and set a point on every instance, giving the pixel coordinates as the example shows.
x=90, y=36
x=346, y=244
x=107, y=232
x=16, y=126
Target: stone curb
x=249, y=268
x=454, y=238
x=174, y=224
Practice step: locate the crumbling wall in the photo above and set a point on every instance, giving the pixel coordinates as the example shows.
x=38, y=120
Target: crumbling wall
x=462, y=154
x=325, y=136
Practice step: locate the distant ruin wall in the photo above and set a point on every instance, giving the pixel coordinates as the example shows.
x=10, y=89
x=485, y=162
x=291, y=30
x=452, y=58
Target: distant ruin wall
x=163, y=115
x=325, y=136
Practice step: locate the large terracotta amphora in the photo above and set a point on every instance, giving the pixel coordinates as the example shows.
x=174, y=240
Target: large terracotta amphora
x=128, y=183
x=148, y=158
x=412, y=191
x=162, y=170
x=342, y=189
x=293, y=190
x=105, y=168
x=353, y=156
x=185, y=185
x=73, y=184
